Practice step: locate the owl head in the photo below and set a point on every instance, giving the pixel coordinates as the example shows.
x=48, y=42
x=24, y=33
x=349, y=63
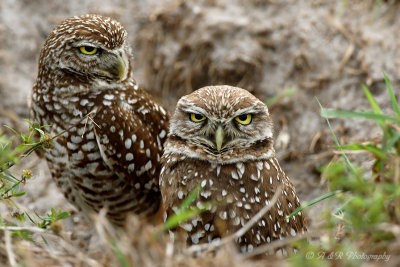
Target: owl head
x=221, y=124
x=88, y=49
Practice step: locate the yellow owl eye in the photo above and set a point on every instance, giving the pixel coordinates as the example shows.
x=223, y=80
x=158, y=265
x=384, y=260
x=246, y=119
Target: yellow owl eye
x=88, y=50
x=244, y=119
x=197, y=117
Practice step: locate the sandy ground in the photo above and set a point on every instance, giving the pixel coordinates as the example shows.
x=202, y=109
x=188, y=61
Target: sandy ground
x=323, y=49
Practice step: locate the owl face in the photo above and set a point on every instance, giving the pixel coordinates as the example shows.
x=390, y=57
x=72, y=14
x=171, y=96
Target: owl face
x=221, y=124
x=91, y=49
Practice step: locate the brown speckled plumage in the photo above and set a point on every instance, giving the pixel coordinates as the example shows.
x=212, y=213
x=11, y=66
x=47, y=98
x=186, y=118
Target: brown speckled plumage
x=241, y=177
x=112, y=158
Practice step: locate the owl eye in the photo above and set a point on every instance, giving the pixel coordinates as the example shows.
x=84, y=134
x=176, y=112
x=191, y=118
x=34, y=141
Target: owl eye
x=244, y=119
x=197, y=117
x=88, y=50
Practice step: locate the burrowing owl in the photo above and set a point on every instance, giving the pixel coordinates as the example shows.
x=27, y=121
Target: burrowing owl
x=221, y=138
x=112, y=132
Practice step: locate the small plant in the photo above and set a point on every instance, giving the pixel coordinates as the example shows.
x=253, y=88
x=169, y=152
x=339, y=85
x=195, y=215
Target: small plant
x=368, y=199
x=9, y=156
x=10, y=184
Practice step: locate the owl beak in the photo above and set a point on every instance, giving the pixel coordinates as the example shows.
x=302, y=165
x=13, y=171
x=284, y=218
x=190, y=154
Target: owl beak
x=120, y=66
x=116, y=67
x=219, y=138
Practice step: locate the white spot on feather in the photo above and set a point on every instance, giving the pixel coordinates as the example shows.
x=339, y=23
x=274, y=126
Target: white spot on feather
x=162, y=133
x=128, y=143
x=129, y=156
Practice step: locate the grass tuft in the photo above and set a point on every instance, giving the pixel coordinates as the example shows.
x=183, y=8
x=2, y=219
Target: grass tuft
x=364, y=226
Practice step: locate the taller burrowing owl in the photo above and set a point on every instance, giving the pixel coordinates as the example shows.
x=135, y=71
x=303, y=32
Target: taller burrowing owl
x=221, y=138
x=112, y=132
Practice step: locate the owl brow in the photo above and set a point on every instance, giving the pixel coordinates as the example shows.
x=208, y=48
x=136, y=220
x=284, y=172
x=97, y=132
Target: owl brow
x=86, y=43
x=250, y=110
x=193, y=110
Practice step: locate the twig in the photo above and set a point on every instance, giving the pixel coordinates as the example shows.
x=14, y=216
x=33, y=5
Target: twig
x=278, y=243
x=64, y=252
x=88, y=117
x=21, y=228
x=214, y=245
x=10, y=253
x=103, y=226
x=396, y=170
x=347, y=55
x=34, y=147
x=346, y=33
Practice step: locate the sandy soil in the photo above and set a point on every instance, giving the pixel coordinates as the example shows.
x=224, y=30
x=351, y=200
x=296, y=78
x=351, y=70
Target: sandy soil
x=324, y=49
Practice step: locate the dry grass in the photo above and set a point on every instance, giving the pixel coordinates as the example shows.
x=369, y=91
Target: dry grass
x=135, y=246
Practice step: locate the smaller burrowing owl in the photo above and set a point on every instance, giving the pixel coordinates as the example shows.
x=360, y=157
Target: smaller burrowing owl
x=221, y=138
x=110, y=132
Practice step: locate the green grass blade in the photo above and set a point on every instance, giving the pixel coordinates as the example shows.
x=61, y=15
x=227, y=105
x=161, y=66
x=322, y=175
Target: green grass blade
x=30, y=218
x=392, y=96
x=190, y=198
x=11, y=129
x=371, y=100
x=393, y=140
x=46, y=242
x=178, y=218
x=340, y=210
x=312, y=202
x=378, y=152
x=123, y=260
x=352, y=147
x=346, y=159
x=185, y=211
x=373, y=103
x=285, y=93
x=368, y=147
x=353, y=114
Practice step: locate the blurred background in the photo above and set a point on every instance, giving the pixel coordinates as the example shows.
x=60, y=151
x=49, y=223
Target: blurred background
x=288, y=53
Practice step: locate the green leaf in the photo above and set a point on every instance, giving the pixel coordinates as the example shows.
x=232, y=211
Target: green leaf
x=392, y=96
x=28, y=121
x=30, y=218
x=40, y=131
x=20, y=148
x=14, y=189
x=10, y=178
x=312, y=202
x=18, y=194
x=19, y=216
x=24, y=234
x=63, y=215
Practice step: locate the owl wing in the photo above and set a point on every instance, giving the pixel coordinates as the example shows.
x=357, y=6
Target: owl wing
x=286, y=203
x=130, y=133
